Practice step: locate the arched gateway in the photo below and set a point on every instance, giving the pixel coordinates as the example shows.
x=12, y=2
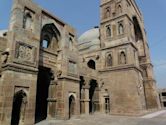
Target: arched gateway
x=19, y=106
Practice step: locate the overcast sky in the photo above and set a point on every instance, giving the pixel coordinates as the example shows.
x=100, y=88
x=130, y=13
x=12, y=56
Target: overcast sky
x=84, y=14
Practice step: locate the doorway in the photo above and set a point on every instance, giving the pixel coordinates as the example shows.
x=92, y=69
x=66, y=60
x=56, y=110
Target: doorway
x=94, y=97
x=107, y=105
x=71, y=106
x=18, y=110
x=43, y=82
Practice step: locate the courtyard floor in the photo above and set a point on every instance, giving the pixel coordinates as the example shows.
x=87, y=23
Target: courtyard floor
x=156, y=118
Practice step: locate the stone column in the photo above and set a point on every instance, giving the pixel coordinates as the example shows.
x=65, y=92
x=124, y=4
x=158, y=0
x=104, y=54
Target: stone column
x=51, y=113
x=86, y=100
x=98, y=99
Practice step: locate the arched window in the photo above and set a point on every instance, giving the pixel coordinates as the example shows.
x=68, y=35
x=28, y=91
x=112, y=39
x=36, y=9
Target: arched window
x=107, y=12
x=27, y=22
x=45, y=42
x=108, y=31
x=120, y=29
x=119, y=9
x=50, y=37
x=109, y=60
x=122, y=58
x=91, y=64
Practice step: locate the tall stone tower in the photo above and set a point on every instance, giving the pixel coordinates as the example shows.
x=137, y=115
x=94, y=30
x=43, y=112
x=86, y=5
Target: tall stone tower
x=129, y=74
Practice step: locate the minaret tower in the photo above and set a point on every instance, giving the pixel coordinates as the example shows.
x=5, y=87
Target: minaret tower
x=126, y=64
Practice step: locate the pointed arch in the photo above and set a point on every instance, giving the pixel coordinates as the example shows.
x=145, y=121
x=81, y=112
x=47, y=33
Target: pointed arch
x=120, y=29
x=72, y=106
x=27, y=21
x=137, y=29
x=109, y=61
x=50, y=36
x=122, y=58
x=108, y=31
x=107, y=12
x=120, y=9
x=19, y=106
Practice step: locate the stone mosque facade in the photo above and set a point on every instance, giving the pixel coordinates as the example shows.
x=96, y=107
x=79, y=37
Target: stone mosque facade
x=48, y=73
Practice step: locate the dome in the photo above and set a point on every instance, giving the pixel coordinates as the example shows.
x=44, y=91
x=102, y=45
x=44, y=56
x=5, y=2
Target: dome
x=89, y=36
x=89, y=39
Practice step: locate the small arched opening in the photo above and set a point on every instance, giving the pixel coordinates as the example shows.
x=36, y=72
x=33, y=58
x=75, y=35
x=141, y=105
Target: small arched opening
x=120, y=29
x=123, y=58
x=19, y=106
x=108, y=31
x=27, y=22
x=45, y=42
x=107, y=12
x=71, y=106
x=109, y=61
x=119, y=9
x=91, y=64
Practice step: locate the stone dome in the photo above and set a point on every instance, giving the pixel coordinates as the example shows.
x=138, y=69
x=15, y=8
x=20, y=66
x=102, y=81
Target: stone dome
x=89, y=39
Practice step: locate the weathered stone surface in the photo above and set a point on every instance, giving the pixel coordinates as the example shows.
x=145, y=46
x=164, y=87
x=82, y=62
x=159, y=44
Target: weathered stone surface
x=47, y=73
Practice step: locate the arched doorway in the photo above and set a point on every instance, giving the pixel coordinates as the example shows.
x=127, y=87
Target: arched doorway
x=94, y=97
x=71, y=106
x=107, y=105
x=19, y=105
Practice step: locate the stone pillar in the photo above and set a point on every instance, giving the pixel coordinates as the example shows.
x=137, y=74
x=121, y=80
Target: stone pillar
x=98, y=100
x=51, y=113
x=86, y=100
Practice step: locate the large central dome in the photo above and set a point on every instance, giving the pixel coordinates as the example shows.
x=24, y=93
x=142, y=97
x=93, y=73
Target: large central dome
x=90, y=39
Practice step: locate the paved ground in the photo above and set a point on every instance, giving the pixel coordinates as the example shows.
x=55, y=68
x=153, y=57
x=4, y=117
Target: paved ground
x=157, y=118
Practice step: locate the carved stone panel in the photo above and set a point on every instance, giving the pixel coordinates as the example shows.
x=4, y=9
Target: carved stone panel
x=25, y=53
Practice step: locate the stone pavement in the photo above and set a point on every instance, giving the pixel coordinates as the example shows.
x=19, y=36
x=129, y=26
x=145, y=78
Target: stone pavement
x=157, y=118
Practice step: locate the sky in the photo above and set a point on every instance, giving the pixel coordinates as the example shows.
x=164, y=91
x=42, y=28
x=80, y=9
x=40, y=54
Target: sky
x=85, y=14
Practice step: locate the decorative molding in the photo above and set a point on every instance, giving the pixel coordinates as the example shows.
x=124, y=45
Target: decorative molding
x=19, y=68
